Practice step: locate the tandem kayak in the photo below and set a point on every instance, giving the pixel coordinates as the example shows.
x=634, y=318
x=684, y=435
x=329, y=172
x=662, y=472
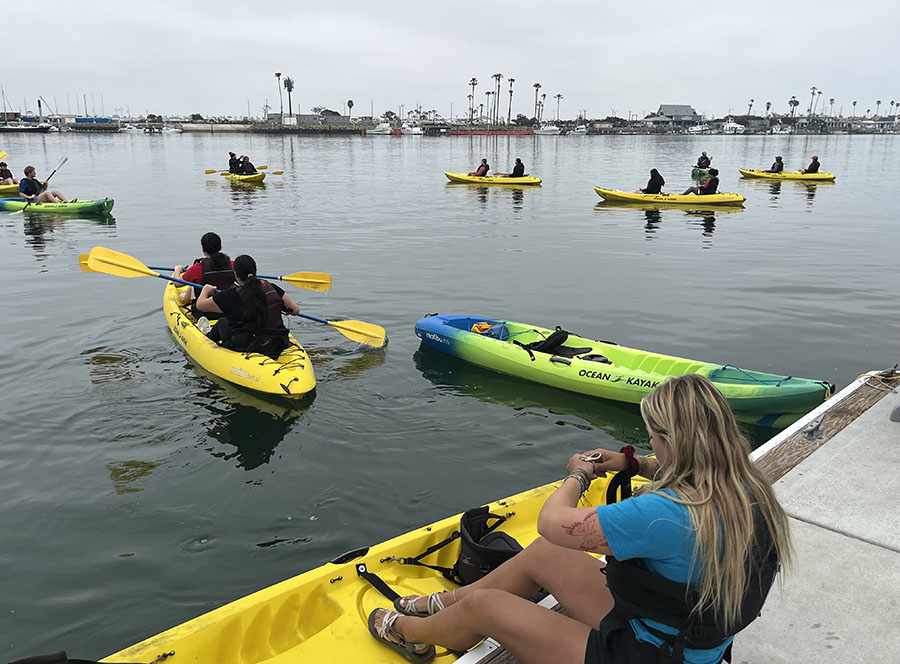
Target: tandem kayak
x=78, y=207
x=320, y=615
x=677, y=199
x=493, y=179
x=252, y=177
x=291, y=375
x=608, y=370
x=756, y=173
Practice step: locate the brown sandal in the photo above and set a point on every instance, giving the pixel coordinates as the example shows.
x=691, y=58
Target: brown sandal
x=394, y=640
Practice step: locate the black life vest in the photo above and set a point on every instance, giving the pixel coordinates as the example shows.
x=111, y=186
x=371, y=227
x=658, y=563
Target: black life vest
x=222, y=279
x=5, y=173
x=640, y=593
x=32, y=187
x=703, y=162
x=274, y=306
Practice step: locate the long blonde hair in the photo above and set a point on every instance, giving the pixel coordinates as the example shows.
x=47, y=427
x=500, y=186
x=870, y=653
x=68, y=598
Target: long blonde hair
x=707, y=466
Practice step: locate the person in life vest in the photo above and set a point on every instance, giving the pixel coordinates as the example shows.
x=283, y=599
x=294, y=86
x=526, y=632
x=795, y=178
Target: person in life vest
x=708, y=524
x=518, y=170
x=813, y=165
x=703, y=161
x=214, y=268
x=6, y=176
x=482, y=169
x=250, y=312
x=777, y=167
x=654, y=184
x=246, y=168
x=32, y=189
x=709, y=187
x=234, y=164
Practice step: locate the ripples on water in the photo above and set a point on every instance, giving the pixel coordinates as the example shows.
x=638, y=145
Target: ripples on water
x=139, y=491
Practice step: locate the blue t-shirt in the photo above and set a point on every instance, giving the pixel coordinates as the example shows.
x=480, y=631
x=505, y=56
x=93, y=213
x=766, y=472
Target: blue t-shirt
x=658, y=531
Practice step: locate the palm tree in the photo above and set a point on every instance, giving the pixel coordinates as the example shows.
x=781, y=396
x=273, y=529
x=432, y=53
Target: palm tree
x=877, y=107
x=509, y=112
x=543, y=99
x=868, y=110
x=793, y=103
x=487, y=101
x=289, y=86
x=892, y=108
x=854, y=108
x=768, y=106
x=809, y=110
x=349, y=107
x=496, y=77
x=471, y=99
x=472, y=82
x=537, y=87
x=557, y=97
x=749, y=107
x=816, y=104
x=831, y=104
x=280, y=98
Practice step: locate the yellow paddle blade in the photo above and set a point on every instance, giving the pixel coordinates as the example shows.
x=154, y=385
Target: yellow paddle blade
x=3, y=155
x=317, y=281
x=361, y=332
x=210, y=171
x=83, y=263
x=118, y=264
x=261, y=168
x=277, y=173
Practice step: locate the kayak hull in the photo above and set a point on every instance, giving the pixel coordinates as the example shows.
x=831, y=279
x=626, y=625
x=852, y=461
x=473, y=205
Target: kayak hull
x=629, y=375
x=320, y=615
x=474, y=179
x=253, y=177
x=809, y=177
x=674, y=199
x=291, y=375
x=79, y=207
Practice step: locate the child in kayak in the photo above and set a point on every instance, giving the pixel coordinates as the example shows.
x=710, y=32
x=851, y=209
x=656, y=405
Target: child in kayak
x=483, y=169
x=214, y=268
x=655, y=184
x=709, y=187
x=6, y=176
x=246, y=168
x=32, y=189
x=777, y=167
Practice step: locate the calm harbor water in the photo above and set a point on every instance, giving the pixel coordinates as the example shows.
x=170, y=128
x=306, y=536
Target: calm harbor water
x=139, y=492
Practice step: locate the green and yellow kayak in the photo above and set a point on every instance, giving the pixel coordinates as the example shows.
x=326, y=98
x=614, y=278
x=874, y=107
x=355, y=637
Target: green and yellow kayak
x=676, y=199
x=78, y=207
x=320, y=615
x=493, y=179
x=608, y=370
x=252, y=177
x=757, y=173
x=291, y=375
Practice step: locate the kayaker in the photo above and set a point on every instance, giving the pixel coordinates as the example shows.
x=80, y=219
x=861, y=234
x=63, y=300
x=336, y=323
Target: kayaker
x=214, y=268
x=33, y=189
x=709, y=187
x=654, y=185
x=518, y=170
x=703, y=161
x=777, y=167
x=482, y=169
x=250, y=312
x=234, y=164
x=246, y=168
x=813, y=165
x=6, y=176
x=684, y=536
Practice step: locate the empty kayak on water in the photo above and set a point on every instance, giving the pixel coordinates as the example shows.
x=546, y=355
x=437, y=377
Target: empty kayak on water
x=493, y=179
x=291, y=375
x=679, y=199
x=320, y=615
x=78, y=207
x=608, y=370
x=240, y=177
x=756, y=173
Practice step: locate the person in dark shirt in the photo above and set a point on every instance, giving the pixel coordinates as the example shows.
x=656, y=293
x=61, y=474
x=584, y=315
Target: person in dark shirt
x=234, y=164
x=518, y=170
x=482, y=169
x=654, y=185
x=246, y=167
x=777, y=167
x=709, y=187
x=813, y=165
x=6, y=176
x=703, y=161
x=32, y=189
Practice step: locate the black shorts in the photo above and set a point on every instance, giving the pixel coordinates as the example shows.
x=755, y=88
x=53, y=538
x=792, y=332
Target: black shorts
x=614, y=642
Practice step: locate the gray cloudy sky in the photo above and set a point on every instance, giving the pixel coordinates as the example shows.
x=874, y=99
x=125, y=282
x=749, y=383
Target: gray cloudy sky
x=169, y=57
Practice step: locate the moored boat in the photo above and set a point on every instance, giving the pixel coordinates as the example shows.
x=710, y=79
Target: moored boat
x=290, y=375
x=548, y=129
x=677, y=199
x=757, y=173
x=492, y=179
x=78, y=207
x=610, y=371
x=246, y=177
x=381, y=129
x=580, y=130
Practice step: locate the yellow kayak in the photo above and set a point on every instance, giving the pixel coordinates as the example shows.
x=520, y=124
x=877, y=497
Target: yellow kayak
x=291, y=375
x=320, y=615
x=493, y=179
x=253, y=177
x=676, y=199
x=9, y=190
x=757, y=173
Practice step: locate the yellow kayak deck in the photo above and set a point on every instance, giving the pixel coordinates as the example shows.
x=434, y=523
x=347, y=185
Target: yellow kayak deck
x=320, y=615
x=252, y=177
x=492, y=179
x=676, y=199
x=291, y=375
x=757, y=173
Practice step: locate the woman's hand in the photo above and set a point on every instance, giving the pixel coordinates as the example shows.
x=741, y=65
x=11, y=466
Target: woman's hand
x=587, y=466
x=609, y=462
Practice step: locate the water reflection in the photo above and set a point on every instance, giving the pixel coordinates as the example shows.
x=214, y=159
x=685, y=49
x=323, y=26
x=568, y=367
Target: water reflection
x=652, y=214
x=653, y=217
x=341, y=364
x=110, y=365
x=481, y=193
x=124, y=474
x=39, y=228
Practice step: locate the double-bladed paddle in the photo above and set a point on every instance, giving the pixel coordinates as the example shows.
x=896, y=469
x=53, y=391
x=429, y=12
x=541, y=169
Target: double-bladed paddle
x=44, y=186
x=109, y=261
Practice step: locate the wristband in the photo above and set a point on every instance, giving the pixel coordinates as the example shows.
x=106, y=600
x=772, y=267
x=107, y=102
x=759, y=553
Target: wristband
x=632, y=465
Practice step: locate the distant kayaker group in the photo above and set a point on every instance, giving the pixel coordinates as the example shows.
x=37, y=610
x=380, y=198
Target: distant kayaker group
x=240, y=165
x=482, y=170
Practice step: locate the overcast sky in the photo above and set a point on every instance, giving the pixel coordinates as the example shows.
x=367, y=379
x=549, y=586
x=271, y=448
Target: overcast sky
x=199, y=56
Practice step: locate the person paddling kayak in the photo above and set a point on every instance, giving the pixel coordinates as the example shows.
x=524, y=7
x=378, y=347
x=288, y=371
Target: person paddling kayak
x=518, y=170
x=234, y=164
x=33, y=190
x=214, y=268
x=483, y=169
x=703, y=161
x=709, y=187
x=813, y=165
x=654, y=185
x=777, y=167
x=246, y=168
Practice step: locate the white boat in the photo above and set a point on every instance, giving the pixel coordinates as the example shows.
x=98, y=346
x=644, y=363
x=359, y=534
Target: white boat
x=380, y=129
x=781, y=129
x=698, y=129
x=172, y=130
x=548, y=130
x=412, y=130
x=732, y=127
x=580, y=130
x=130, y=129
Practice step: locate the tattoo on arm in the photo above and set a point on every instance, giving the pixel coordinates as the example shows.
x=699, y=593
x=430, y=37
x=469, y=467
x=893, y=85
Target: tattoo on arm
x=588, y=532
x=647, y=467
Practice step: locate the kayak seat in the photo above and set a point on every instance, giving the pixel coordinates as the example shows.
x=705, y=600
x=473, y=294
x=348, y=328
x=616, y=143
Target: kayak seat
x=568, y=351
x=596, y=357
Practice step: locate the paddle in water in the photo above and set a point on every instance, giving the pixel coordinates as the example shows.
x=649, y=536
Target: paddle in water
x=109, y=261
x=46, y=182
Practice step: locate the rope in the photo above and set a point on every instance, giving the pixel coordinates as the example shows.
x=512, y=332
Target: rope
x=749, y=377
